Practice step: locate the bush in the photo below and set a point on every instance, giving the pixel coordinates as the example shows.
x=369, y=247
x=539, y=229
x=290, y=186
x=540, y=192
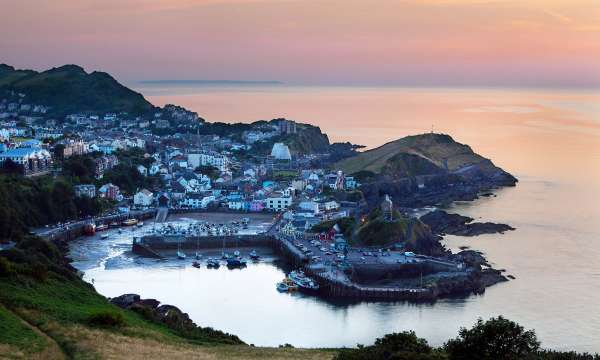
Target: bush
x=497, y=338
x=398, y=346
x=107, y=319
x=5, y=267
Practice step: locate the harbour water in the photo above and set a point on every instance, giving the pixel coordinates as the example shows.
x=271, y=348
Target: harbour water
x=549, y=139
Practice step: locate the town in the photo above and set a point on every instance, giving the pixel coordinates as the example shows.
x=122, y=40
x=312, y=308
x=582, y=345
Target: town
x=120, y=169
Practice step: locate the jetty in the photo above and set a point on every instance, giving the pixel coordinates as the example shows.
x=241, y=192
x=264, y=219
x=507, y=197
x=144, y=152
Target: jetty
x=339, y=274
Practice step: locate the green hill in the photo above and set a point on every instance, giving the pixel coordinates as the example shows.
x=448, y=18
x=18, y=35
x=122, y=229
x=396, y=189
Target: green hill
x=425, y=154
x=69, y=89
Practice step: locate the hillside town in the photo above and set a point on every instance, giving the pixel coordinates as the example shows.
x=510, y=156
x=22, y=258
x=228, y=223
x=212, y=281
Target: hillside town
x=189, y=170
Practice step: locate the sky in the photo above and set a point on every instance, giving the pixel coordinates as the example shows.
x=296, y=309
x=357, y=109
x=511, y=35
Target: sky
x=383, y=42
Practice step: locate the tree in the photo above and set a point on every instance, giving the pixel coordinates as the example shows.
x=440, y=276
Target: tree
x=59, y=152
x=398, y=346
x=497, y=338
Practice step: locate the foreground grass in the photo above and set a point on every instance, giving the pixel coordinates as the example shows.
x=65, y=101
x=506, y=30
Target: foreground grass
x=50, y=320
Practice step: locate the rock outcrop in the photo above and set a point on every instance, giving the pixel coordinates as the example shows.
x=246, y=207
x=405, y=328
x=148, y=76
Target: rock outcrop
x=442, y=223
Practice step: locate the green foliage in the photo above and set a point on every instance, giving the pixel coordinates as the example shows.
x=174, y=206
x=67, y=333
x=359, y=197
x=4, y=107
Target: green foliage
x=69, y=89
x=497, y=338
x=14, y=332
x=563, y=355
x=107, y=318
x=346, y=224
x=33, y=202
x=212, y=172
x=376, y=231
x=81, y=169
x=397, y=346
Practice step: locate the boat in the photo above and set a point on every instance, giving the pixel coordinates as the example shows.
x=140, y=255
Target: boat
x=304, y=283
x=114, y=224
x=196, y=264
x=254, y=255
x=224, y=256
x=140, y=224
x=212, y=263
x=89, y=229
x=198, y=256
x=281, y=287
x=180, y=254
x=236, y=263
x=104, y=236
x=236, y=253
x=101, y=227
x=129, y=222
x=286, y=285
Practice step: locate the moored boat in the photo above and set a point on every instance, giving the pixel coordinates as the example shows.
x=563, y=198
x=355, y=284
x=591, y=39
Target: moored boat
x=89, y=229
x=104, y=236
x=213, y=263
x=129, y=222
x=254, y=255
x=236, y=263
x=101, y=227
x=304, y=283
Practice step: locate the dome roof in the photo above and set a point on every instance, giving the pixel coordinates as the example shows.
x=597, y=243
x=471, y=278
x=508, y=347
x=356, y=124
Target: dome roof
x=281, y=152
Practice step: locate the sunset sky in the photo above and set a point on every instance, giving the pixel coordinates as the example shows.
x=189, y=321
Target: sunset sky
x=428, y=42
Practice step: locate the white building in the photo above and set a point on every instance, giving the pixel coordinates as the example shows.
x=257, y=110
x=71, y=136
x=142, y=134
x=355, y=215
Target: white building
x=143, y=198
x=281, y=151
x=217, y=160
x=278, y=202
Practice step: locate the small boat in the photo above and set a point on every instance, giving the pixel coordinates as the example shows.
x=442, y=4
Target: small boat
x=140, y=224
x=212, y=263
x=89, y=229
x=198, y=256
x=114, y=224
x=304, y=283
x=101, y=227
x=236, y=253
x=104, y=236
x=236, y=263
x=196, y=264
x=225, y=256
x=180, y=254
x=254, y=255
x=129, y=222
x=282, y=287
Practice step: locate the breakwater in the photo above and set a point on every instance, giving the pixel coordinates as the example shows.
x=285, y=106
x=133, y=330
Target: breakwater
x=333, y=282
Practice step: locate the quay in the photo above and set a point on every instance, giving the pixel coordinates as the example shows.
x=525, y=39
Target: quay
x=336, y=279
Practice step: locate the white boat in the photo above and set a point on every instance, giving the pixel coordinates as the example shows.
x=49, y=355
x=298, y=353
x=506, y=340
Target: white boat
x=104, y=236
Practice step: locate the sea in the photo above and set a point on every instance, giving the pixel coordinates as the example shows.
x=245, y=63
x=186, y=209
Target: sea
x=549, y=138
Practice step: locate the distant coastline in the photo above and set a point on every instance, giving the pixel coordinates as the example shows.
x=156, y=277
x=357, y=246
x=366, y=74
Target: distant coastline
x=210, y=82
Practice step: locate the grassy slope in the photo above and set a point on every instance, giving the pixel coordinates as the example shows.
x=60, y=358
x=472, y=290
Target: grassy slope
x=49, y=320
x=433, y=147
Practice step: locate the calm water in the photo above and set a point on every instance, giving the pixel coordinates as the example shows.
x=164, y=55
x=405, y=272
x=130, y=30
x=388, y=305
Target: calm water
x=550, y=139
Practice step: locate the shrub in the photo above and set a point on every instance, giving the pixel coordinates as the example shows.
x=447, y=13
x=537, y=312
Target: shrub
x=497, y=338
x=107, y=319
x=5, y=267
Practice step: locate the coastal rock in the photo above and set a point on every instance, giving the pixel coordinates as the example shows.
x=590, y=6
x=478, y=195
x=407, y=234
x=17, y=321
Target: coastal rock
x=126, y=300
x=441, y=223
x=150, y=303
